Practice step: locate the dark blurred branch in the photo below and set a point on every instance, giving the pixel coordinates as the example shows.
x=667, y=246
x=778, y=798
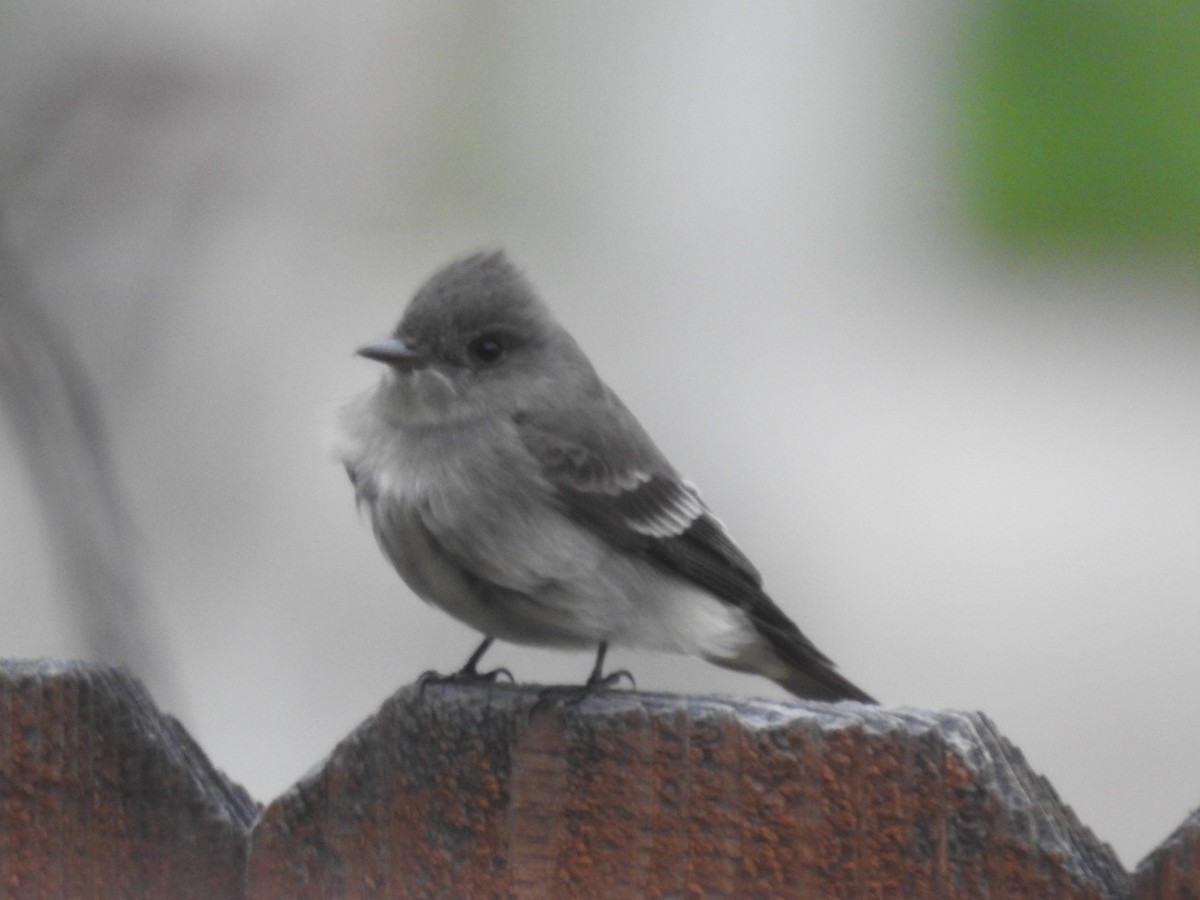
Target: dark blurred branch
x=48, y=396
x=129, y=128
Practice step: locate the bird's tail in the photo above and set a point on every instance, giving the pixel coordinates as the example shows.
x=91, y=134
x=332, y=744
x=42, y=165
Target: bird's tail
x=822, y=683
x=793, y=662
x=804, y=671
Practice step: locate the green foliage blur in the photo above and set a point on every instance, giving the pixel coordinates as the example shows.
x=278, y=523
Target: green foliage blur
x=1082, y=122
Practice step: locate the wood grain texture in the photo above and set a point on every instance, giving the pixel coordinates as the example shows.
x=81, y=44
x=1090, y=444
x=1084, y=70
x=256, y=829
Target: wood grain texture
x=472, y=791
x=1172, y=870
x=483, y=792
x=101, y=795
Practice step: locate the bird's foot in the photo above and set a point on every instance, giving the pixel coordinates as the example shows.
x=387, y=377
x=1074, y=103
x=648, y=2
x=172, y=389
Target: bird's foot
x=467, y=675
x=569, y=695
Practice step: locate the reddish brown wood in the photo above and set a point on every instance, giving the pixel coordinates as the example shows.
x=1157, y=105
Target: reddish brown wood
x=101, y=795
x=1172, y=870
x=481, y=792
x=472, y=792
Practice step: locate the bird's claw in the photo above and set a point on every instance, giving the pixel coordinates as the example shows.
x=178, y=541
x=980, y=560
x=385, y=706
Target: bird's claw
x=570, y=695
x=465, y=676
x=611, y=680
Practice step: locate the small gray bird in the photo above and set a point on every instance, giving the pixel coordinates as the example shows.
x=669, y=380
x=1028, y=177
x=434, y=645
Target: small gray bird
x=510, y=487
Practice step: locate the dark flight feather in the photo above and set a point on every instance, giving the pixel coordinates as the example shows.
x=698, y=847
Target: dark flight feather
x=610, y=477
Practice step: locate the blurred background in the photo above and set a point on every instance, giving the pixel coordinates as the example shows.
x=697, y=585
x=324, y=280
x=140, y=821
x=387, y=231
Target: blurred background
x=909, y=289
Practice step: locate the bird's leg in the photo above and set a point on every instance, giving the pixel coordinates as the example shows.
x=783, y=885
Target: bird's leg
x=468, y=668
x=598, y=680
x=468, y=674
x=570, y=695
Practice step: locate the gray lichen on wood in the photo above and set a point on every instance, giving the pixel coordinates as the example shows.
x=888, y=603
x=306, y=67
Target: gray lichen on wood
x=475, y=792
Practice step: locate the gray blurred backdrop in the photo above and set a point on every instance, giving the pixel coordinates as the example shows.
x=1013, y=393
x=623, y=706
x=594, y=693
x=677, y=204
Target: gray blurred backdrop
x=971, y=472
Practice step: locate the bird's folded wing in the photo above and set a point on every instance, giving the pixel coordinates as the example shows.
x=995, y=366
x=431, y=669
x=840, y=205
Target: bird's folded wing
x=608, y=475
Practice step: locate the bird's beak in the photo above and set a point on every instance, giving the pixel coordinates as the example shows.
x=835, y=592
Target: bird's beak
x=396, y=353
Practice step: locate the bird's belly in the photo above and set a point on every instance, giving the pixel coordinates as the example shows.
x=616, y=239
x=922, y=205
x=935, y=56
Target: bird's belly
x=427, y=572
x=676, y=616
x=514, y=578
x=478, y=535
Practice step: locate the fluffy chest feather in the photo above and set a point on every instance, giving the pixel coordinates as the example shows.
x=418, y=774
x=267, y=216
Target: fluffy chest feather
x=477, y=493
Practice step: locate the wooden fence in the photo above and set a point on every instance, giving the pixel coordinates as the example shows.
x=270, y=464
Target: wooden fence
x=473, y=792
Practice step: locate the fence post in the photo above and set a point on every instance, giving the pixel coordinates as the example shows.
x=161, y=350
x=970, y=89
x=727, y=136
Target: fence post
x=1172, y=870
x=483, y=792
x=478, y=792
x=101, y=795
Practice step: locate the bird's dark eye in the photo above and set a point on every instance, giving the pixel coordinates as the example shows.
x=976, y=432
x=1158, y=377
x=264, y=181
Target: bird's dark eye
x=487, y=348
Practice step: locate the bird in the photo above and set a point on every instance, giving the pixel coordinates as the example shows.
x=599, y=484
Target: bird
x=510, y=487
